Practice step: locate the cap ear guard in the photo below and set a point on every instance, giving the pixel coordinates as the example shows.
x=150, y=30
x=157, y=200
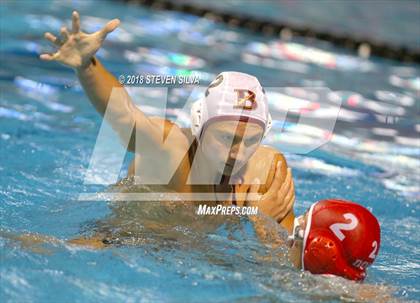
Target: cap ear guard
x=323, y=256
x=196, y=114
x=319, y=254
x=268, y=125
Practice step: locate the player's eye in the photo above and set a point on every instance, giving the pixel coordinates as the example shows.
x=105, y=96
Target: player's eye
x=227, y=138
x=251, y=141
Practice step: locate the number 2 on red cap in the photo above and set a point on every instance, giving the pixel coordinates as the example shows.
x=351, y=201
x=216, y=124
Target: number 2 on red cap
x=338, y=227
x=375, y=248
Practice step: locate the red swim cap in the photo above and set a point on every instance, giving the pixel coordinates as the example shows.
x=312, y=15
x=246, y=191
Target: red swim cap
x=341, y=238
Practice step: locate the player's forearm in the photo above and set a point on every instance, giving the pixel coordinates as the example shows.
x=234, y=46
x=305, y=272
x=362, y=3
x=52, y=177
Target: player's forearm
x=108, y=95
x=98, y=83
x=265, y=232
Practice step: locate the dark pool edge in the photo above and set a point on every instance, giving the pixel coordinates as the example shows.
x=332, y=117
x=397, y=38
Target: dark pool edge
x=362, y=46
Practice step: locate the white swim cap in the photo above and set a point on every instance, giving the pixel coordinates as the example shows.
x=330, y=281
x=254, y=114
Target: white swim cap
x=231, y=96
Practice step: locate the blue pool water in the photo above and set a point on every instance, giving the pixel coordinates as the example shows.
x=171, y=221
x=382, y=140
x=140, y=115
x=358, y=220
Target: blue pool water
x=48, y=130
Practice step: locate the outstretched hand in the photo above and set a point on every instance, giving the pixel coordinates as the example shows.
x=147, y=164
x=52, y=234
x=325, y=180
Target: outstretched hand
x=76, y=48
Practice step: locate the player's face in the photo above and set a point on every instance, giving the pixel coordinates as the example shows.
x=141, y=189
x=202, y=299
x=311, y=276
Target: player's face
x=228, y=145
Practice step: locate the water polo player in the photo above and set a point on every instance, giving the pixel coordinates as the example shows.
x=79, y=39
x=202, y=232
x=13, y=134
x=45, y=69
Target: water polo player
x=222, y=151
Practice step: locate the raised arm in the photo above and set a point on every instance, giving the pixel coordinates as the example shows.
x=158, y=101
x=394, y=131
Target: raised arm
x=98, y=83
x=108, y=95
x=77, y=49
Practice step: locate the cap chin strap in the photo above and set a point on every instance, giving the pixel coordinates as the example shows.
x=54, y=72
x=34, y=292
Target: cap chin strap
x=196, y=123
x=307, y=229
x=297, y=232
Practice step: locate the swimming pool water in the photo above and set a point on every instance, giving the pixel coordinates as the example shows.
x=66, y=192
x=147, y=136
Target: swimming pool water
x=48, y=130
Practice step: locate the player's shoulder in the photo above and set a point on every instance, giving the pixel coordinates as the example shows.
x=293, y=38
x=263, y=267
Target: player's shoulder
x=171, y=131
x=266, y=151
